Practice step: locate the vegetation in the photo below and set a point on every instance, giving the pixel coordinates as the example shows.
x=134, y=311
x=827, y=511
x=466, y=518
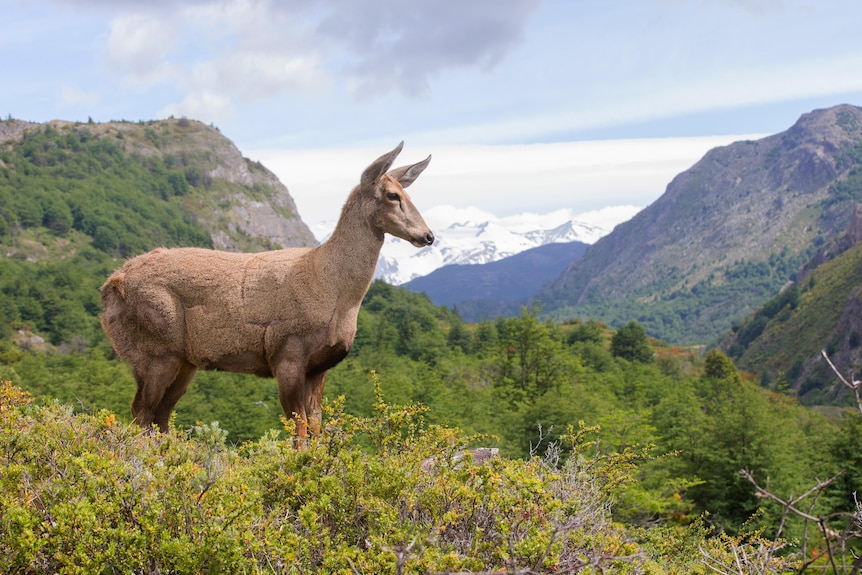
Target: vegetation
x=70, y=205
x=630, y=343
x=77, y=198
x=782, y=340
x=75, y=181
x=694, y=313
x=726, y=236
x=88, y=493
x=618, y=453
x=685, y=426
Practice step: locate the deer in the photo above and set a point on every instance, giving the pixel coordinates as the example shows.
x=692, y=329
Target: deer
x=289, y=313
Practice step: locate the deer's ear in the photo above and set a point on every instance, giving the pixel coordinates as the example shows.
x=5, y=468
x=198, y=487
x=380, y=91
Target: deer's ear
x=405, y=175
x=379, y=167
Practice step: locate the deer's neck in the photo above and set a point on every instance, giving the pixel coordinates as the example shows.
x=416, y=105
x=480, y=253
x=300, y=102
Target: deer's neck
x=348, y=259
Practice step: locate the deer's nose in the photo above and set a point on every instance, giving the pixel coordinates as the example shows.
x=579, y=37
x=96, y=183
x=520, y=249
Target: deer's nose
x=429, y=238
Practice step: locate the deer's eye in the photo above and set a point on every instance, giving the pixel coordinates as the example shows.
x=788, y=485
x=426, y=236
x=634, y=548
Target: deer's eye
x=392, y=196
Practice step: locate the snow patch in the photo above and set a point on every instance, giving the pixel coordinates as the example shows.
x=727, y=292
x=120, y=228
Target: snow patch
x=473, y=236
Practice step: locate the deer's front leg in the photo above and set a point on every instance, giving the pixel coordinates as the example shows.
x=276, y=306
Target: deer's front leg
x=293, y=394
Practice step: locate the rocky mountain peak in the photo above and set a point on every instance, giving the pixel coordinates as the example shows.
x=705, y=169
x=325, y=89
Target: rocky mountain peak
x=745, y=205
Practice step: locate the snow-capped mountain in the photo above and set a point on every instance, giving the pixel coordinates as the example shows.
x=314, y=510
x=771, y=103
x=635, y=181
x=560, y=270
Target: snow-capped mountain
x=472, y=236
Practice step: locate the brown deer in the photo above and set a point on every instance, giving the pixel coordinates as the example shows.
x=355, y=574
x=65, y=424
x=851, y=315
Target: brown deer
x=288, y=313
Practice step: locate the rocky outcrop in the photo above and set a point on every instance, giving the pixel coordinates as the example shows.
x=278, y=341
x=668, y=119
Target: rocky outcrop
x=242, y=204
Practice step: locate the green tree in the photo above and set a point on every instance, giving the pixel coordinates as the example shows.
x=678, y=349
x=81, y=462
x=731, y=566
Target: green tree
x=718, y=366
x=532, y=358
x=630, y=343
x=459, y=337
x=587, y=332
x=728, y=425
x=487, y=338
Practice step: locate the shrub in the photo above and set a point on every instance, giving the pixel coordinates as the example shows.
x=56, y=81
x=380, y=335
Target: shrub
x=383, y=494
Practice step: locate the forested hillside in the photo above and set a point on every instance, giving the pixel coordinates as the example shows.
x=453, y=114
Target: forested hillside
x=782, y=341
x=522, y=381
x=725, y=236
x=679, y=427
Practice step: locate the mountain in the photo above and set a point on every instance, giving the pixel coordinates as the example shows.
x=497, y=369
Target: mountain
x=239, y=203
x=472, y=236
x=500, y=287
x=725, y=235
x=781, y=342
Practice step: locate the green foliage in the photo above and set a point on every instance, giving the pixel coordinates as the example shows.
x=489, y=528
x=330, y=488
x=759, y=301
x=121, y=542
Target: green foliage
x=405, y=324
x=687, y=425
x=717, y=366
x=57, y=298
x=751, y=327
x=587, y=332
x=532, y=361
x=71, y=203
x=677, y=311
x=725, y=423
x=73, y=180
x=246, y=406
x=630, y=343
x=782, y=341
x=86, y=493
x=847, y=190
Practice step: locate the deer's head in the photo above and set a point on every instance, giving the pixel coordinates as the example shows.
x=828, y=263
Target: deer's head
x=393, y=212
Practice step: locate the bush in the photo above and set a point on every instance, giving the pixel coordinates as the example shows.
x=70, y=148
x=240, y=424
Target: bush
x=384, y=494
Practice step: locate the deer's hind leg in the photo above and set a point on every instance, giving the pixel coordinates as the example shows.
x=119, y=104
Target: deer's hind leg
x=161, y=382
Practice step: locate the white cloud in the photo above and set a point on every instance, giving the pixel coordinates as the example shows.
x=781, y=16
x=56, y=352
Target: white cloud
x=139, y=45
x=204, y=105
x=503, y=180
x=646, y=99
x=402, y=45
x=248, y=50
x=253, y=75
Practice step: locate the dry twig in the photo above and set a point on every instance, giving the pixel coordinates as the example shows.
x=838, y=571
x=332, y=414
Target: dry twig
x=852, y=384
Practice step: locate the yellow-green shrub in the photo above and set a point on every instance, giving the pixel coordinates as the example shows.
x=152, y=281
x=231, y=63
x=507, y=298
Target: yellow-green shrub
x=385, y=494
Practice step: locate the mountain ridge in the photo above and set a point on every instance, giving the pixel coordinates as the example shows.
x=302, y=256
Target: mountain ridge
x=474, y=237
x=821, y=310
x=478, y=291
x=753, y=208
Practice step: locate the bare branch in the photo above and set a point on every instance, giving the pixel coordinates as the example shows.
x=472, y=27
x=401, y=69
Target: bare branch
x=852, y=384
x=761, y=492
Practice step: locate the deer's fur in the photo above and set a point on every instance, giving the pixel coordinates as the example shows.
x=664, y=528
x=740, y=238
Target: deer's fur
x=288, y=313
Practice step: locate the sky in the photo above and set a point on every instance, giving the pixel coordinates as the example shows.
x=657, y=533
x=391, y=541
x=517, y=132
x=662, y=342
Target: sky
x=525, y=105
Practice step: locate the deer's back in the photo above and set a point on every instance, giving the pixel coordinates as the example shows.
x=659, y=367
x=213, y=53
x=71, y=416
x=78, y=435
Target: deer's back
x=204, y=305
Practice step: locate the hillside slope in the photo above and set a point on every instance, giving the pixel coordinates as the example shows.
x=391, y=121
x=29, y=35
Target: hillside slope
x=782, y=341
x=240, y=203
x=725, y=236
